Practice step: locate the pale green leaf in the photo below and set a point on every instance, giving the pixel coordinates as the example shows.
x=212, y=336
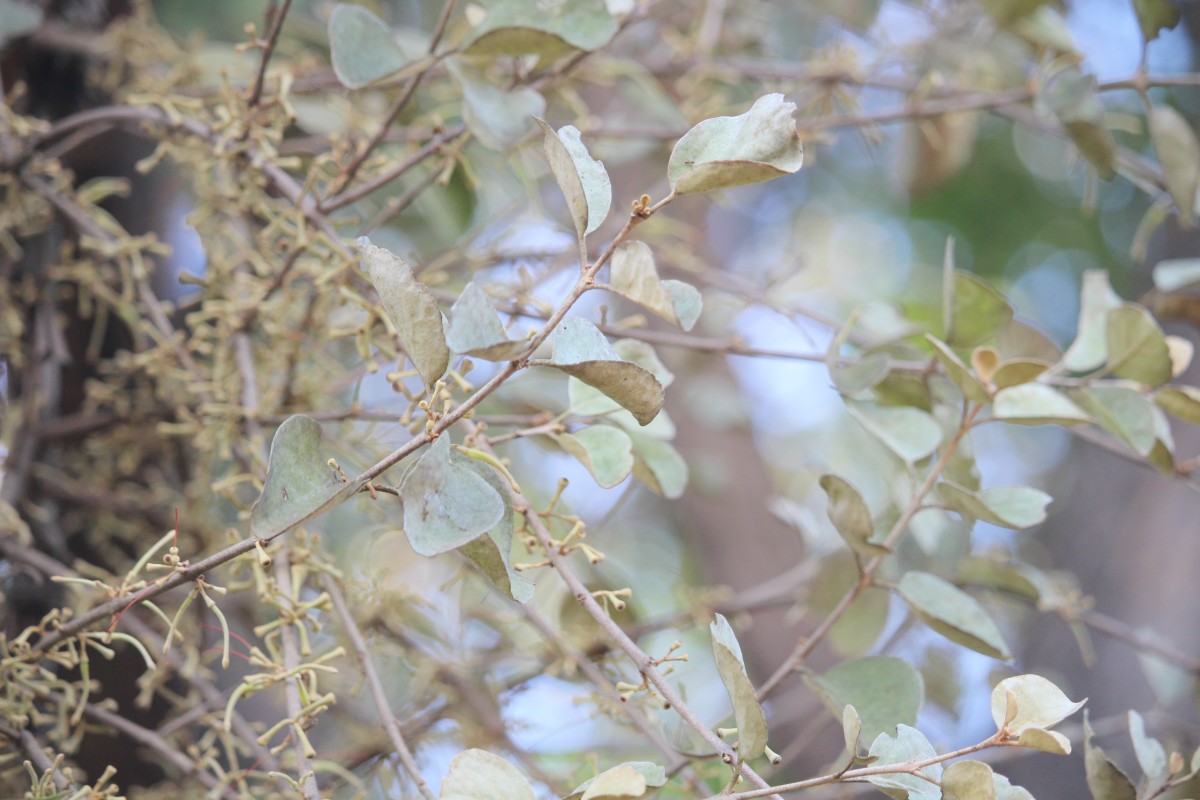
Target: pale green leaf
x=1006, y=791
x=953, y=613
x=1173, y=275
x=475, y=329
x=687, y=301
x=751, y=723
x=1051, y=742
x=658, y=465
x=1036, y=404
x=1151, y=755
x=978, y=311
x=361, y=46
x=1137, y=349
x=1123, y=412
x=1017, y=371
x=1178, y=153
x=411, y=308
x=723, y=152
x=607, y=452
x=635, y=276
x=1180, y=401
x=299, y=482
x=652, y=775
x=1019, y=340
x=1015, y=507
x=479, y=775
x=1047, y=28
x=583, y=180
x=1040, y=704
x=492, y=552
x=446, y=505
x=968, y=780
x=887, y=689
x=910, y=433
x=1105, y=779
x=500, y=119
x=851, y=729
x=616, y=783
x=864, y=620
x=1096, y=299
x=1154, y=15
x=520, y=27
x=850, y=515
x=1071, y=95
x=958, y=372
x=909, y=744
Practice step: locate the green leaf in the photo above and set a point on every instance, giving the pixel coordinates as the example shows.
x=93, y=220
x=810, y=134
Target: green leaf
x=850, y=515
x=724, y=152
x=583, y=180
x=910, y=433
x=1125, y=413
x=864, y=373
x=887, y=689
x=1176, y=274
x=953, y=613
x=1040, y=704
x=492, y=552
x=958, y=372
x=1051, y=742
x=1151, y=756
x=635, y=276
x=978, y=311
x=909, y=744
x=581, y=350
x=476, y=330
x=1105, y=779
x=1015, y=577
x=658, y=465
x=479, y=775
x=520, y=27
x=411, y=308
x=1154, y=15
x=1036, y=404
x=446, y=505
x=751, y=723
x=500, y=119
x=867, y=616
x=361, y=46
x=1046, y=28
x=607, y=452
x=1178, y=153
x=1016, y=507
x=968, y=780
x=1018, y=371
x=1096, y=299
x=1071, y=95
x=299, y=482
x=1180, y=401
x=652, y=775
x=1137, y=350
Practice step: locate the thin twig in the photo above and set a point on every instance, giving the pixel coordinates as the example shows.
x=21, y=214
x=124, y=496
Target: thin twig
x=268, y=50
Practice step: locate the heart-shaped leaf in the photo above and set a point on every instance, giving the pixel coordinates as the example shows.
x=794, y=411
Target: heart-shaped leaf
x=953, y=613
x=476, y=330
x=500, y=119
x=479, y=775
x=361, y=46
x=446, y=505
x=1039, y=704
x=723, y=152
x=635, y=276
x=909, y=744
x=968, y=780
x=607, y=452
x=751, y=723
x=299, y=482
x=583, y=180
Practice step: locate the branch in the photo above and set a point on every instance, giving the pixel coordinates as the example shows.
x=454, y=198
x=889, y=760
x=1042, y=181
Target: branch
x=268, y=51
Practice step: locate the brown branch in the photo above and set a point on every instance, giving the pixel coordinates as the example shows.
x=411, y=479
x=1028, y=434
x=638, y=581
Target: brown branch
x=268, y=50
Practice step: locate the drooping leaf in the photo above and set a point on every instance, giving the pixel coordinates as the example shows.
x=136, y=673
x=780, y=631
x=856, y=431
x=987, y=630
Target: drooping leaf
x=968, y=780
x=978, y=311
x=475, y=329
x=446, y=505
x=1151, y=756
x=850, y=515
x=361, y=46
x=909, y=744
x=887, y=689
x=1154, y=15
x=1105, y=779
x=1072, y=97
x=635, y=276
x=581, y=350
x=751, y=723
x=1178, y=153
x=1180, y=401
x=864, y=620
x=479, y=775
x=521, y=27
x=652, y=776
x=910, y=433
x=723, y=152
x=299, y=482
x=1137, y=349
x=1040, y=704
x=500, y=119
x=1016, y=507
x=411, y=308
x=1036, y=404
x=607, y=452
x=1173, y=275
x=492, y=552
x=583, y=180
x=1125, y=413
x=953, y=613
x=958, y=372
x=1096, y=299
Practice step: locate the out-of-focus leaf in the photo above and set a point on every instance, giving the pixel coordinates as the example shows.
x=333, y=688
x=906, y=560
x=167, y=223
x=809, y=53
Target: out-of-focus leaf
x=849, y=514
x=492, y=552
x=607, y=452
x=583, y=180
x=1137, y=349
x=909, y=744
x=865, y=619
x=1180, y=401
x=520, y=27
x=968, y=780
x=446, y=505
x=953, y=613
x=652, y=775
x=751, y=723
x=1006, y=11
x=887, y=689
x=723, y=152
x=1125, y=413
x=299, y=482
x=1105, y=779
x=1178, y=153
x=1097, y=298
x=658, y=465
x=1046, y=28
x=1019, y=340
x=1018, y=371
x=1151, y=756
x=910, y=433
x=1051, y=742
x=635, y=276
x=361, y=46
x=1072, y=97
x=500, y=119
x=1036, y=404
x=1006, y=791
x=1016, y=507
x=1176, y=274
x=479, y=775
x=962, y=376
x=1154, y=15
x=978, y=311
x=476, y=330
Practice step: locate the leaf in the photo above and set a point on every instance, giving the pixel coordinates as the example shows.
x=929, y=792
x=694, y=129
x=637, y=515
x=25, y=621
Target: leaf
x=520, y=27
x=978, y=311
x=1175, y=274
x=411, y=308
x=887, y=689
x=864, y=620
x=479, y=775
x=1006, y=791
x=1154, y=15
x=635, y=276
x=476, y=330
x=1018, y=371
x=1151, y=756
x=850, y=515
x=953, y=613
x=361, y=46
x=652, y=775
x=1008, y=11
x=1040, y=704
x=1105, y=779
x=500, y=119
x=1137, y=350
x=910, y=433
x=968, y=780
x=1123, y=412
x=616, y=782
x=1036, y=404
x=492, y=552
x=1018, y=340
x=724, y=152
x=581, y=350
x=299, y=482
x=446, y=505
x=1096, y=299
x=1071, y=95
x=909, y=744
x=851, y=730
x=751, y=723
x=1051, y=742
x=858, y=376
x=1015, y=507
x=1180, y=401
x=607, y=452
x=958, y=372
x=583, y=180
x=1179, y=155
